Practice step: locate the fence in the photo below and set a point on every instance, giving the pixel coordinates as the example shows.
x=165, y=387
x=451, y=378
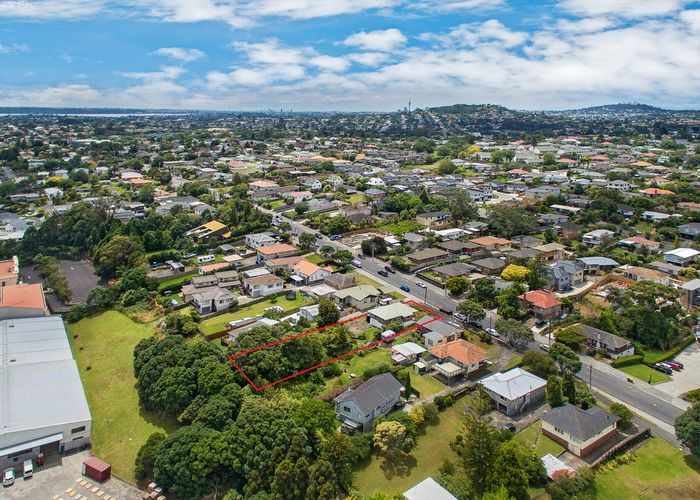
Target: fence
x=621, y=446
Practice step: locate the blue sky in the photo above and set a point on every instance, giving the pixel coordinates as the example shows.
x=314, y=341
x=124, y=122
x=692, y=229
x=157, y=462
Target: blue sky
x=348, y=54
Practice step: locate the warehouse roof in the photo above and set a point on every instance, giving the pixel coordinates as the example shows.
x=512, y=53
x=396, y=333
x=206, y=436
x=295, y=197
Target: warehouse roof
x=37, y=365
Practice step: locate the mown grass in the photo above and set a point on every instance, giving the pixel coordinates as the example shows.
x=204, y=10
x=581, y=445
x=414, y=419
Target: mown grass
x=532, y=437
x=643, y=372
x=105, y=343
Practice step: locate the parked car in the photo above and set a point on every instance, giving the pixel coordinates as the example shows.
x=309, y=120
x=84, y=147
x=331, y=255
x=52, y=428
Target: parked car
x=28, y=469
x=672, y=366
x=510, y=427
x=405, y=288
x=493, y=332
x=335, y=237
x=420, y=284
x=460, y=316
x=360, y=256
x=541, y=323
x=544, y=347
x=319, y=236
x=675, y=365
x=390, y=269
x=356, y=263
x=663, y=369
x=8, y=477
x=383, y=273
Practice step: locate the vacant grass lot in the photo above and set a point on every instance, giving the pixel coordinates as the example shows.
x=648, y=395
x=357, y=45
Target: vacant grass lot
x=218, y=323
x=119, y=426
x=642, y=372
x=432, y=448
x=660, y=471
x=356, y=198
x=531, y=436
x=361, y=279
x=357, y=364
x=426, y=385
x=402, y=227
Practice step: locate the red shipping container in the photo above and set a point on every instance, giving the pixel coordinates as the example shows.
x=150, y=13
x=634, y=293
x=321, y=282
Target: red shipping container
x=96, y=469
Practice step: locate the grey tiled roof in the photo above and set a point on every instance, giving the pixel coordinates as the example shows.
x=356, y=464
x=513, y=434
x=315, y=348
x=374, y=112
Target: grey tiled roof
x=581, y=424
x=372, y=393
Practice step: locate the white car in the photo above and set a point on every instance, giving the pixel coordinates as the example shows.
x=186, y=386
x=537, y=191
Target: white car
x=493, y=332
x=420, y=284
x=8, y=477
x=461, y=316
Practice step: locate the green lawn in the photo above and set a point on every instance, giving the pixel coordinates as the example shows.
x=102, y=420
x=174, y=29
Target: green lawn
x=432, y=448
x=531, y=435
x=659, y=471
x=513, y=362
x=357, y=364
x=177, y=281
x=361, y=279
x=276, y=203
x=316, y=259
x=402, y=227
x=119, y=425
x=424, y=384
x=397, y=295
x=356, y=198
x=642, y=372
x=217, y=323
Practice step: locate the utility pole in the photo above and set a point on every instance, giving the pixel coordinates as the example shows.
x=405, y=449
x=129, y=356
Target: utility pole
x=590, y=376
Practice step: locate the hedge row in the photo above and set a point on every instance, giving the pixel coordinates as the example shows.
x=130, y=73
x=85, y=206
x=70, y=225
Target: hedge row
x=650, y=359
x=627, y=361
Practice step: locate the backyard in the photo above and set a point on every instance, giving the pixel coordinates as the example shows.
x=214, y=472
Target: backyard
x=400, y=228
x=218, y=323
x=659, y=471
x=543, y=445
x=432, y=448
x=103, y=347
x=643, y=372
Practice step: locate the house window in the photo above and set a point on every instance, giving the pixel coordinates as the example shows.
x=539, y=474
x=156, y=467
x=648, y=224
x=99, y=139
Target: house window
x=557, y=429
x=77, y=429
x=347, y=409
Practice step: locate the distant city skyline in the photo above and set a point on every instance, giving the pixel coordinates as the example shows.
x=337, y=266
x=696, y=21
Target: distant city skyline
x=348, y=55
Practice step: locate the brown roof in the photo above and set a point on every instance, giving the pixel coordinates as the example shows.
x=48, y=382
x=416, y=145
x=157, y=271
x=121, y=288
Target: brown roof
x=460, y=350
x=23, y=296
x=279, y=248
x=286, y=261
x=540, y=298
x=490, y=240
x=265, y=279
x=309, y=268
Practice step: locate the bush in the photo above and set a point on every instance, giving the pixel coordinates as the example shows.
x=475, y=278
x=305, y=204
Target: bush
x=627, y=361
x=375, y=370
x=623, y=412
x=692, y=396
x=331, y=370
x=443, y=402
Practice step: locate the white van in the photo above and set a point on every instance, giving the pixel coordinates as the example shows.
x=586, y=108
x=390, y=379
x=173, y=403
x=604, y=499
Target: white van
x=386, y=301
x=28, y=469
x=203, y=259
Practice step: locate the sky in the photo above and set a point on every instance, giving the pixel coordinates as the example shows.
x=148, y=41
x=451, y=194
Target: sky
x=348, y=55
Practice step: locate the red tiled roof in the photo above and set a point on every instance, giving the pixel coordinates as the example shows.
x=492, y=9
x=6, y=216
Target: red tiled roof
x=460, y=350
x=23, y=296
x=540, y=298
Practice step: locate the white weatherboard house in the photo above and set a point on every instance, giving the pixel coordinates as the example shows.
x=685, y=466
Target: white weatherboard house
x=357, y=408
x=681, y=256
x=42, y=403
x=515, y=390
x=380, y=316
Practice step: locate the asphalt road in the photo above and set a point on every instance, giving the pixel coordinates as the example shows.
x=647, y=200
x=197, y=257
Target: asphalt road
x=627, y=392
x=435, y=297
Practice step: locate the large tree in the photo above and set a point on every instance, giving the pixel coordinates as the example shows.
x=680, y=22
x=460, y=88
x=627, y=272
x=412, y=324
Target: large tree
x=327, y=312
x=688, y=428
x=117, y=255
x=509, y=221
x=565, y=358
x=514, y=331
x=473, y=311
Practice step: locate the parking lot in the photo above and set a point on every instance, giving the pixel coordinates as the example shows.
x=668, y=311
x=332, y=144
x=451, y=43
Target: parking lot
x=688, y=378
x=61, y=478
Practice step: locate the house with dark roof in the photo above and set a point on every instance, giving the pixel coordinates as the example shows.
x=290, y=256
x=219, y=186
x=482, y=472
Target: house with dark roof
x=609, y=344
x=579, y=431
x=489, y=266
x=454, y=270
x=357, y=408
x=564, y=275
x=456, y=247
x=427, y=256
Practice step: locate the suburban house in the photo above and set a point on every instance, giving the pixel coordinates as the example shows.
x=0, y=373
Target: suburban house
x=437, y=333
x=638, y=273
x=9, y=271
x=276, y=251
x=579, y=431
x=456, y=247
x=492, y=243
x=258, y=240
x=634, y=243
x=357, y=408
x=427, y=256
x=428, y=489
x=609, y=344
x=489, y=266
x=406, y=352
x=264, y=285
x=339, y=281
x=431, y=219
x=515, y=390
x=550, y=251
x=564, y=275
x=212, y=299
x=380, y=316
x=299, y=196
x=594, y=266
x=456, y=359
x=286, y=263
x=361, y=297
x=210, y=230
x=308, y=272
x=689, y=231
x=691, y=291
x=542, y=305
x=681, y=256
x=596, y=237
x=453, y=270
x=262, y=185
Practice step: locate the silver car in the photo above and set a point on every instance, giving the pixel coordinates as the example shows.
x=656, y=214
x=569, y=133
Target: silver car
x=8, y=477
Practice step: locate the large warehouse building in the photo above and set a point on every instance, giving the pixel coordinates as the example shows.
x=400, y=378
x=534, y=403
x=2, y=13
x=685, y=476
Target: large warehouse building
x=42, y=404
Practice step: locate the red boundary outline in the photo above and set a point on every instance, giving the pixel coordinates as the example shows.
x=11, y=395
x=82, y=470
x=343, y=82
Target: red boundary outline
x=231, y=358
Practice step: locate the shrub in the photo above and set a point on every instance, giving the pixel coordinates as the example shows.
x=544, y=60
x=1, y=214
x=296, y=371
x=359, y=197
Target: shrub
x=651, y=358
x=375, y=370
x=443, y=402
x=627, y=361
x=692, y=396
x=623, y=412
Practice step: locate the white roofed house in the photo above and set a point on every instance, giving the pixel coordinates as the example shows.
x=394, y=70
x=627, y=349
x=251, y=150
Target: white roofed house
x=380, y=316
x=515, y=390
x=681, y=256
x=406, y=352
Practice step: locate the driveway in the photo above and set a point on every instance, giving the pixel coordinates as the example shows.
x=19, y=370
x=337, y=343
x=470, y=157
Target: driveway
x=688, y=378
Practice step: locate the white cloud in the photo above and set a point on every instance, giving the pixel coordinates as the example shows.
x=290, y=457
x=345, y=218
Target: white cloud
x=692, y=18
x=51, y=9
x=165, y=73
x=380, y=40
x=15, y=47
x=329, y=63
x=455, y=5
x=491, y=32
x=369, y=58
x=629, y=9
x=181, y=54
x=307, y=9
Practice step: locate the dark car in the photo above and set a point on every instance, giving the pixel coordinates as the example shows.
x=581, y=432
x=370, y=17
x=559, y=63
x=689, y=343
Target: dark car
x=405, y=288
x=541, y=323
x=319, y=235
x=510, y=427
x=383, y=273
x=360, y=256
x=390, y=269
x=663, y=369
